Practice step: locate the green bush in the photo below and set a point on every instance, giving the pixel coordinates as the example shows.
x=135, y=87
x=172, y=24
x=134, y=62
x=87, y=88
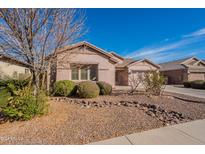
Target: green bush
x=4, y=98
x=88, y=89
x=13, y=85
x=64, y=88
x=198, y=84
x=25, y=105
x=187, y=84
x=105, y=88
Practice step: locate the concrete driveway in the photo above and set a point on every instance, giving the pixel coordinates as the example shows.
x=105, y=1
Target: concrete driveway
x=186, y=91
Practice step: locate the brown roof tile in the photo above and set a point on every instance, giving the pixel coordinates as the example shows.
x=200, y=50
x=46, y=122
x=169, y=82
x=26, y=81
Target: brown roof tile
x=126, y=62
x=173, y=65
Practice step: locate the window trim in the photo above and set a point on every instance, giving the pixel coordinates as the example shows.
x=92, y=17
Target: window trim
x=88, y=71
x=87, y=74
x=15, y=74
x=77, y=70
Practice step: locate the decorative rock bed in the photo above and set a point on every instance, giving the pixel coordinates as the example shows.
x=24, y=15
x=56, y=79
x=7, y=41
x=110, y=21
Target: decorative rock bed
x=167, y=117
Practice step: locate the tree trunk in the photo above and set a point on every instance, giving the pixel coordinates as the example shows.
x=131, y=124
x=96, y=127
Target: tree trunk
x=43, y=81
x=35, y=82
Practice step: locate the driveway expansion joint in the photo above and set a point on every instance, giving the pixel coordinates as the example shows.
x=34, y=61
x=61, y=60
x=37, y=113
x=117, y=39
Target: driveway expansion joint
x=128, y=140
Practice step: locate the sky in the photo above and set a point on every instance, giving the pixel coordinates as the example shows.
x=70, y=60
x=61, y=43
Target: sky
x=157, y=34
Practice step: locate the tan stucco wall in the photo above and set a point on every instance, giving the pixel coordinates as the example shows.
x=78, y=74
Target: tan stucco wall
x=196, y=76
x=7, y=69
x=142, y=66
x=139, y=67
x=106, y=69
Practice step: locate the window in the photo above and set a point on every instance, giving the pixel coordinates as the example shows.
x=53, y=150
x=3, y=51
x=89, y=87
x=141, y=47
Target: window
x=75, y=74
x=84, y=74
x=15, y=74
x=93, y=73
x=26, y=71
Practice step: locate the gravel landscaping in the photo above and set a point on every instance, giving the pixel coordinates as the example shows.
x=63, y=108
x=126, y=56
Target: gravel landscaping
x=81, y=121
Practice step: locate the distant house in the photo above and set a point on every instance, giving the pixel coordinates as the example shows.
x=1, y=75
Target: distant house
x=84, y=61
x=12, y=68
x=187, y=69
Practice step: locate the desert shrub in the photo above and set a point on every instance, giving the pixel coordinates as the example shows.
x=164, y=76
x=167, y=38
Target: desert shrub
x=153, y=82
x=25, y=105
x=88, y=89
x=198, y=84
x=13, y=85
x=105, y=88
x=187, y=84
x=64, y=88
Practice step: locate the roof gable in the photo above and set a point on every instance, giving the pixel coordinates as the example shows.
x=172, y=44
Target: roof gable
x=89, y=45
x=126, y=62
x=145, y=60
x=190, y=61
x=193, y=62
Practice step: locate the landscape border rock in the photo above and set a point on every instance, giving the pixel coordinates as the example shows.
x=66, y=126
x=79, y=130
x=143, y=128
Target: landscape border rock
x=167, y=117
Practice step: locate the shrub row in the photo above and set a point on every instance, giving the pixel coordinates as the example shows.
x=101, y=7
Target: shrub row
x=87, y=89
x=197, y=84
x=64, y=88
x=17, y=101
x=13, y=85
x=24, y=105
x=84, y=89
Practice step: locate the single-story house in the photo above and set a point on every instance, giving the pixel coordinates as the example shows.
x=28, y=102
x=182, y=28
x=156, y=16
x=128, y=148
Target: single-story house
x=12, y=68
x=187, y=69
x=84, y=61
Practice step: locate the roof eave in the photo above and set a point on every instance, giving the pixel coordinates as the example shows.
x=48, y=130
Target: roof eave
x=70, y=47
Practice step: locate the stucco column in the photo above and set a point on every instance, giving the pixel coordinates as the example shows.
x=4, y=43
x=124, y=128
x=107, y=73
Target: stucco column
x=88, y=73
x=79, y=74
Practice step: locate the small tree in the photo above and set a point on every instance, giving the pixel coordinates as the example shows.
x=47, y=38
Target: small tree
x=32, y=34
x=134, y=81
x=154, y=83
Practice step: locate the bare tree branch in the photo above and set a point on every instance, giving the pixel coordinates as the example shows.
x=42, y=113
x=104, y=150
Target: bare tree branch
x=33, y=34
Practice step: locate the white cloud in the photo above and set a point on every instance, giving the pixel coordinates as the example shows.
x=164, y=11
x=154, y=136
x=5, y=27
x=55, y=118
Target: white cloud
x=159, y=48
x=173, y=50
x=197, y=33
x=163, y=57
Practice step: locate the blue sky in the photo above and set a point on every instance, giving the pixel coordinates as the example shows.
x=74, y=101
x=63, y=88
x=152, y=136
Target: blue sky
x=158, y=34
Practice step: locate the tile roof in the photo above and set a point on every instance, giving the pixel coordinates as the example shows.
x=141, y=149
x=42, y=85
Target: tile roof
x=116, y=55
x=173, y=65
x=126, y=62
x=3, y=56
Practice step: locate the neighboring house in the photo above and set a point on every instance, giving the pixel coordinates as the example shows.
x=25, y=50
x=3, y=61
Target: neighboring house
x=12, y=68
x=187, y=69
x=84, y=61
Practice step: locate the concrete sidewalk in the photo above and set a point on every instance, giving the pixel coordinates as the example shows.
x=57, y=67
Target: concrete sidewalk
x=187, y=133
x=186, y=91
